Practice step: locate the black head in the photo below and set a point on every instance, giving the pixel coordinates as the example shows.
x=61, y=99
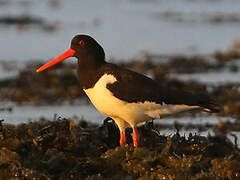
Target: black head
x=89, y=53
x=87, y=49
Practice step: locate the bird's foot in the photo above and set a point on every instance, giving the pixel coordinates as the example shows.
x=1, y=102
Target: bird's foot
x=135, y=137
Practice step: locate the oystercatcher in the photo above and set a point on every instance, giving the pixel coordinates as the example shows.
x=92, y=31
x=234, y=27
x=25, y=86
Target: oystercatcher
x=129, y=98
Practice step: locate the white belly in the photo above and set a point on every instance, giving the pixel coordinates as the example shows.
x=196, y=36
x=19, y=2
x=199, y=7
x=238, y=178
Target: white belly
x=106, y=103
x=133, y=113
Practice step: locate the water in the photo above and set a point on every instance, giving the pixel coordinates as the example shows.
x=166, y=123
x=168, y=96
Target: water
x=124, y=27
x=211, y=78
x=23, y=114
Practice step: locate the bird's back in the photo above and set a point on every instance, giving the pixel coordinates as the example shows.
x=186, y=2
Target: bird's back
x=134, y=87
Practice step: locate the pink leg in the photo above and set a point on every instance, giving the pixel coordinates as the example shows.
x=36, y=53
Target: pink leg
x=122, y=138
x=135, y=137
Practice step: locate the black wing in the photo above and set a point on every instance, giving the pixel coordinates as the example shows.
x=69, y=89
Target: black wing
x=134, y=87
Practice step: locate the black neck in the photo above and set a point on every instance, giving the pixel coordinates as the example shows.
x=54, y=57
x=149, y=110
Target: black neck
x=89, y=73
x=90, y=60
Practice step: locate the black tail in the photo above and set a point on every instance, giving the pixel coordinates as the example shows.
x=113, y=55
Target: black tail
x=203, y=100
x=207, y=103
x=212, y=107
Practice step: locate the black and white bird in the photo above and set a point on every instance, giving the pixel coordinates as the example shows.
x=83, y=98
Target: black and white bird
x=129, y=98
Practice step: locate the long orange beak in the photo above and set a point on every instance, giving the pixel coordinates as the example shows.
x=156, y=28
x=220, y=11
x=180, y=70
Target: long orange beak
x=69, y=53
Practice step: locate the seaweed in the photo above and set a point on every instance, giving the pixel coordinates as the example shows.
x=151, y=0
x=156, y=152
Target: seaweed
x=65, y=149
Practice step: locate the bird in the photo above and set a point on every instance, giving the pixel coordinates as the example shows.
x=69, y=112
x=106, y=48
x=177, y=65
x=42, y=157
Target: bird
x=129, y=98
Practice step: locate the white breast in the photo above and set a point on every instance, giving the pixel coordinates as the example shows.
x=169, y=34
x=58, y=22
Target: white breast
x=106, y=103
x=101, y=97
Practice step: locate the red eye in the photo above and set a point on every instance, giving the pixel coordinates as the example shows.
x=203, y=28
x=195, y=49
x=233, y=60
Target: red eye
x=81, y=43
